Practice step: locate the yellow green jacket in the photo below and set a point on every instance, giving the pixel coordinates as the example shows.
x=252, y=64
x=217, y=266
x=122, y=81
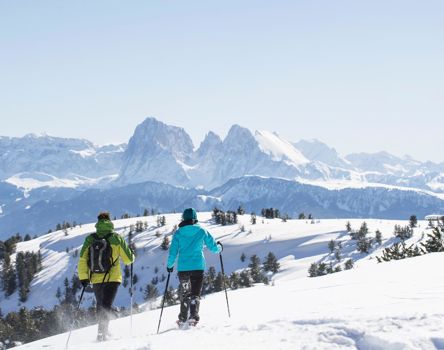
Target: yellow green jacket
x=120, y=251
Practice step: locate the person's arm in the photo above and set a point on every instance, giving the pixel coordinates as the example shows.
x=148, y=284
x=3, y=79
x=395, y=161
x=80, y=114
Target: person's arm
x=125, y=252
x=82, y=266
x=174, y=250
x=211, y=243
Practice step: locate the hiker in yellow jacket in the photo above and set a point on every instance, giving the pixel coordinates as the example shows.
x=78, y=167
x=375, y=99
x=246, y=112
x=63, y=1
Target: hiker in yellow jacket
x=99, y=264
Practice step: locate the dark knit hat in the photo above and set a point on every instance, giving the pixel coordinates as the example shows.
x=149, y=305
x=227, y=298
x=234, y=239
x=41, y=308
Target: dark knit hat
x=104, y=215
x=189, y=214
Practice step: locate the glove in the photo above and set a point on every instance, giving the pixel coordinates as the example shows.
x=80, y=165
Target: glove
x=84, y=283
x=170, y=269
x=221, y=245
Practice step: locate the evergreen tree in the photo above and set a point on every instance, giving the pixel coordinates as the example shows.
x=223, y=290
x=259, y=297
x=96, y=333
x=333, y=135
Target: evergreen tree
x=245, y=279
x=253, y=219
x=165, y=243
x=69, y=296
x=331, y=246
x=338, y=269
x=209, y=281
x=364, y=244
x=150, y=292
x=234, y=280
x=27, y=237
x=271, y=263
x=146, y=212
x=413, y=221
x=403, y=233
x=399, y=251
x=135, y=278
x=349, y=264
x=313, y=270
x=378, y=237
x=240, y=210
x=170, y=298
x=219, y=282
x=338, y=255
x=243, y=257
x=435, y=242
x=58, y=293
x=255, y=268
x=348, y=227
x=301, y=216
x=9, y=279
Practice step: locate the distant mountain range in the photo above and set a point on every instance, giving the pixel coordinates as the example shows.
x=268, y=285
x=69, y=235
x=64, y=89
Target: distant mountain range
x=45, y=180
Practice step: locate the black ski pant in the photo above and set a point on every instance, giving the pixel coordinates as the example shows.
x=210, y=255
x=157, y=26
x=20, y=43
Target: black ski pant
x=105, y=294
x=190, y=288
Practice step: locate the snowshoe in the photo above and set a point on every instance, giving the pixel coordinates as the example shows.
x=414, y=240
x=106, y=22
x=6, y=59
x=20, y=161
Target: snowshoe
x=186, y=324
x=102, y=337
x=192, y=322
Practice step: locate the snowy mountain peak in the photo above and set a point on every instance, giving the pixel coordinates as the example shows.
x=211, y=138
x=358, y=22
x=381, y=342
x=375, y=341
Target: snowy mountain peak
x=157, y=152
x=316, y=150
x=211, y=141
x=278, y=148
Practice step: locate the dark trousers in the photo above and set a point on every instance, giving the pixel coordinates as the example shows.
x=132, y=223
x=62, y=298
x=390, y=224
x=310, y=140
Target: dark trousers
x=105, y=294
x=190, y=287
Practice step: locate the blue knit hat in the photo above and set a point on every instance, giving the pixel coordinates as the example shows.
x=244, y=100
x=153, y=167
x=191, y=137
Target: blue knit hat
x=189, y=214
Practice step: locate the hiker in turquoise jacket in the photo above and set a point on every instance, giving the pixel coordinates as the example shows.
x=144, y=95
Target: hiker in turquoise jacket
x=188, y=242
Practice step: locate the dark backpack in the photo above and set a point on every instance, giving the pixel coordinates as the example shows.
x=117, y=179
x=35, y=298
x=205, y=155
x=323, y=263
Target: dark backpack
x=100, y=254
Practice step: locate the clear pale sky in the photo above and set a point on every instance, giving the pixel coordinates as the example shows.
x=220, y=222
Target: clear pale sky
x=357, y=75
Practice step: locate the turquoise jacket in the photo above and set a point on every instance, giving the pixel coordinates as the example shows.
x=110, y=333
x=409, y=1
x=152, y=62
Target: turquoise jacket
x=188, y=242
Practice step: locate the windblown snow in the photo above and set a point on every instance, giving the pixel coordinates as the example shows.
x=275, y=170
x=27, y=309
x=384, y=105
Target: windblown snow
x=280, y=149
x=387, y=306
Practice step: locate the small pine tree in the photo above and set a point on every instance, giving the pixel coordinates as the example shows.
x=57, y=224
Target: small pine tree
x=348, y=264
x=348, y=227
x=271, y=263
x=234, y=280
x=170, y=298
x=253, y=218
x=243, y=257
x=338, y=269
x=219, y=282
x=58, y=293
x=435, y=242
x=364, y=244
x=378, y=237
x=338, y=256
x=331, y=246
x=245, y=279
x=165, y=243
x=313, y=270
x=255, y=268
x=413, y=221
x=150, y=292
x=301, y=216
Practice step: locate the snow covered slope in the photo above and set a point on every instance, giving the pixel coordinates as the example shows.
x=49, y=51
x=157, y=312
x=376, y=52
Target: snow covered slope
x=396, y=305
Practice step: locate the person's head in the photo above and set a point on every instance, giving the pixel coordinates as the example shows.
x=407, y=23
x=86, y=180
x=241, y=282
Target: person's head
x=189, y=214
x=104, y=215
x=104, y=224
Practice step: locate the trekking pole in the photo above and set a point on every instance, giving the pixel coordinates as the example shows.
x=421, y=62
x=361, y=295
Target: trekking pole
x=72, y=323
x=223, y=278
x=131, y=306
x=163, y=300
